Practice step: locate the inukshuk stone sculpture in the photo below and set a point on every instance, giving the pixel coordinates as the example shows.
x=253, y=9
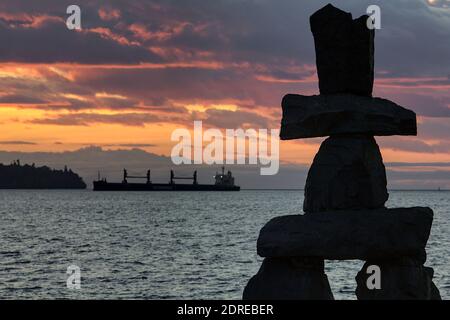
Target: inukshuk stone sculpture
x=345, y=192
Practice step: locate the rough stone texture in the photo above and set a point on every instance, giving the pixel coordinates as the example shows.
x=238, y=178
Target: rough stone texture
x=347, y=173
x=360, y=234
x=326, y=115
x=401, y=279
x=289, y=279
x=344, y=52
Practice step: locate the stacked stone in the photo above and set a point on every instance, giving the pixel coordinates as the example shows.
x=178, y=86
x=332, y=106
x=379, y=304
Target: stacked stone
x=345, y=192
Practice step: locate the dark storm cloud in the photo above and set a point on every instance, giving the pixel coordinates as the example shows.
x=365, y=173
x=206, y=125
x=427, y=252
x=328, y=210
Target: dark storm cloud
x=413, y=39
x=20, y=99
x=53, y=42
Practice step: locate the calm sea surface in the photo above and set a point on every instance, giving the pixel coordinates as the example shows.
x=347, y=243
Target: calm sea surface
x=161, y=245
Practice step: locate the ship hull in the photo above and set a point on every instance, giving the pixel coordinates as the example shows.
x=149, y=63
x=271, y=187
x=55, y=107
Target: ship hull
x=107, y=186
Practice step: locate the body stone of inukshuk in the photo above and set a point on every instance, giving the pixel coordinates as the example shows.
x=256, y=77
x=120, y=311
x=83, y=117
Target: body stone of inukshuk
x=345, y=193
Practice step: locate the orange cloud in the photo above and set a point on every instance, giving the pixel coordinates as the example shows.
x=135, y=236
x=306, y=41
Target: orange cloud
x=108, y=14
x=27, y=20
x=140, y=31
x=110, y=96
x=438, y=83
x=108, y=34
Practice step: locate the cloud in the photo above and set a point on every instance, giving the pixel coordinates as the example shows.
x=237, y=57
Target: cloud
x=418, y=164
x=108, y=13
x=236, y=31
x=439, y=3
x=25, y=20
x=144, y=61
x=20, y=99
x=52, y=42
x=423, y=105
x=16, y=142
x=435, y=178
x=414, y=145
x=86, y=119
x=434, y=129
x=273, y=45
x=234, y=119
x=131, y=145
x=190, y=85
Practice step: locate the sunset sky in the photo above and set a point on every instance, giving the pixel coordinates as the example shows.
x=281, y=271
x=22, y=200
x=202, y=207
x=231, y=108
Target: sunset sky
x=139, y=69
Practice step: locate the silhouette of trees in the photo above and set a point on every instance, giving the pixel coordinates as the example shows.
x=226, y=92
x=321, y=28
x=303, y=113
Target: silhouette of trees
x=17, y=176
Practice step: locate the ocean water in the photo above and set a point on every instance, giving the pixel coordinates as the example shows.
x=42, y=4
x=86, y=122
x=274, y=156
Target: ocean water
x=161, y=245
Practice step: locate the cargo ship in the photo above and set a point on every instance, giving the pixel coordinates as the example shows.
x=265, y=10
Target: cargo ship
x=223, y=182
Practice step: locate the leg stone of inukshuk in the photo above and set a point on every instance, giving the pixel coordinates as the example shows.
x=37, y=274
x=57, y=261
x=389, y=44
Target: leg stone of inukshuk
x=289, y=279
x=400, y=279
